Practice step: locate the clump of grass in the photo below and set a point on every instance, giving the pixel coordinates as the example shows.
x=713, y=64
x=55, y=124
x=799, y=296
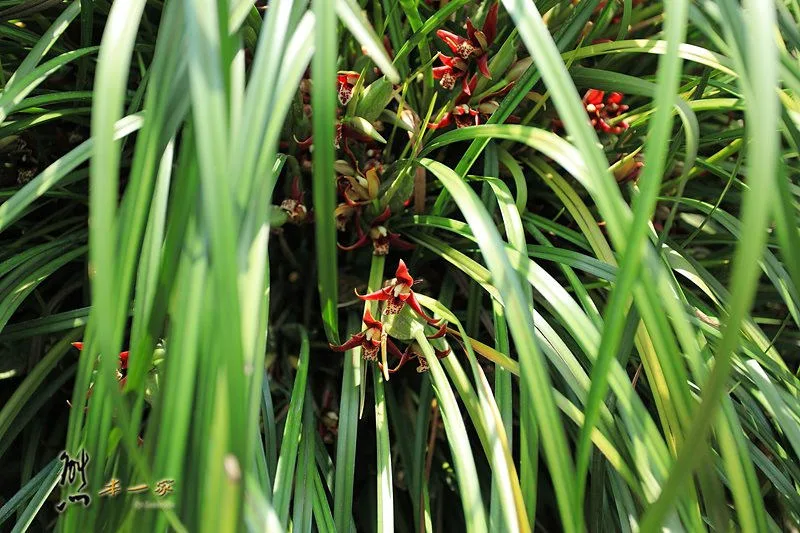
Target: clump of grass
x=575, y=220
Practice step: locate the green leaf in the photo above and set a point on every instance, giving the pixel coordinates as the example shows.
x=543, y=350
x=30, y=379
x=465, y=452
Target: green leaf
x=324, y=190
x=282, y=486
x=533, y=372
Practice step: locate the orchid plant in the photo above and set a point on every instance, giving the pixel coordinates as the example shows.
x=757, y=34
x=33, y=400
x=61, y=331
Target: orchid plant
x=403, y=314
x=576, y=219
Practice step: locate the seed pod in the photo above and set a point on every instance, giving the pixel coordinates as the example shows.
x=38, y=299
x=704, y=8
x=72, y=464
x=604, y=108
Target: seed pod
x=343, y=167
x=519, y=68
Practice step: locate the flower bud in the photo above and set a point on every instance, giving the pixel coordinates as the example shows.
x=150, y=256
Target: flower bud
x=343, y=167
x=488, y=107
x=519, y=68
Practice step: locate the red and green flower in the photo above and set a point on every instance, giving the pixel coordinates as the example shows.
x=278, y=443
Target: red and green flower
x=475, y=45
x=397, y=293
x=602, y=108
x=346, y=82
x=370, y=340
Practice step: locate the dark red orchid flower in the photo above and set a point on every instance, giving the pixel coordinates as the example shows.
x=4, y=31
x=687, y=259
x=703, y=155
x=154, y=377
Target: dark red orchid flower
x=346, y=82
x=294, y=206
x=602, y=108
x=370, y=339
x=477, y=42
x=422, y=363
x=464, y=114
x=360, y=189
x=122, y=371
x=382, y=239
x=397, y=292
x=343, y=213
x=453, y=68
x=305, y=145
x=374, y=160
x=343, y=133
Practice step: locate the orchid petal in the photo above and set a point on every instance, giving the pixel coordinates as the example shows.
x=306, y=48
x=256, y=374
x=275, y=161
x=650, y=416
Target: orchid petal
x=439, y=72
x=383, y=217
x=470, y=30
x=402, y=274
x=440, y=333
x=593, y=96
x=377, y=296
x=373, y=183
x=490, y=24
x=397, y=242
x=393, y=349
x=348, y=76
x=414, y=304
x=305, y=143
x=351, y=343
x=450, y=39
x=349, y=201
x=404, y=358
x=483, y=66
x=297, y=194
x=465, y=88
x=480, y=39
x=370, y=321
x=362, y=241
x=442, y=353
x=447, y=61
x=443, y=123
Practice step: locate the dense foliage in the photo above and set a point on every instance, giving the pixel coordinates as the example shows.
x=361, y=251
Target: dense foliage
x=399, y=264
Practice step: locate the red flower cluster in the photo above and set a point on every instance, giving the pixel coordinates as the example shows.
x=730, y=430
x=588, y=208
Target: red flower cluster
x=475, y=45
x=465, y=115
x=422, y=364
x=345, y=83
x=370, y=340
x=395, y=294
x=602, y=108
